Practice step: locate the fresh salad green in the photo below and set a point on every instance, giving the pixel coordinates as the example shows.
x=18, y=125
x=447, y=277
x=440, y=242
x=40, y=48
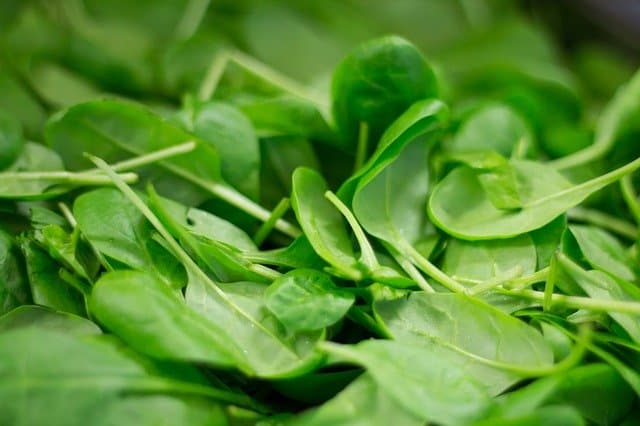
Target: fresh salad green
x=314, y=213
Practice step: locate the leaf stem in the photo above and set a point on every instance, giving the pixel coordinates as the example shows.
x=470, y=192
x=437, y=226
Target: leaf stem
x=577, y=302
x=265, y=229
x=367, y=255
x=409, y=268
x=430, y=269
x=603, y=220
x=193, y=14
x=362, y=147
x=550, y=283
x=67, y=178
x=150, y=158
x=630, y=197
x=591, y=185
x=494, y=282
x=583, y=156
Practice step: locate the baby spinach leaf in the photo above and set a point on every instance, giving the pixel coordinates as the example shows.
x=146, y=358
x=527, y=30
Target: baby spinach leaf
x=47, y=288
x=270, y=351
x=460, y=206
x=484, y=260
x=116, y=130
x=322, y=223
x=11, y=140
x=362, y=403
x=121, y=300
x=600, y=285
x=233, y=136
x=64, y=248
x=17, y=99
x=604, y=252
x=14, y=290
x=430, y=387
x=49, y=319
x=495, y=127
x=618, y=119
x=118, y=230
x=556, y=414
x=298, y=254
x=82, y=372
x=305, y=299
x=473, y=329
x=376, y=83
x=422, y=118
x=204, y=224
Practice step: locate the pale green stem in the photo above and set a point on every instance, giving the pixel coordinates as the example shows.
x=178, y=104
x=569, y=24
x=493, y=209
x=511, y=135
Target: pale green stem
x=363, y=146
x=66, y=212
x=367, y=255
x=497, y=281
x=603, y=220
x=630, y=197
x=409, y=268
x=528, y=280
x=430, y=269
x=592, y=184
x=212, y=77
x=67, y=178
x=150, y=158
x=236, y=199
x=581, y=157
x=550, y=284
x=265, y=229
x=578, y=302
x=264, y=271
x=193, y=14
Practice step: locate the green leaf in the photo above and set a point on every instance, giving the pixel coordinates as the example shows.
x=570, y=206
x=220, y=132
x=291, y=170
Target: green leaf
x=122, y=300
x=484, y=260
x=118, y=230
x=231, y=133
x=14, y=289
x=11, y=140
x=84, y=373
x=239, y=308
x=472, y=329
x=304, y=299
x=322, y=223
x=495, y=127
x=376, y=83
x=47, y=288
x=116, y=130
x=604, y=252
x=430, y=387
x=49, y=319
x=461, y=207
x=362, y=403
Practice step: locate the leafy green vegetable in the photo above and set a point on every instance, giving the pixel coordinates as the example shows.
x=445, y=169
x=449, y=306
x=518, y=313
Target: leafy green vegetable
x=317, y=213
x=307, y=300
x=376, y=83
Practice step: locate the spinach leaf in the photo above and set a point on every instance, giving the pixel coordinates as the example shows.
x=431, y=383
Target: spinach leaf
x=460, y=206
x=604, y=252
x=119, y=231
x=484, y=260
x=376, y=83
x=14, y=290
x=86, y=373
x=11, y=140
x=494, y=127
x=233, y=136
x=473, y=329
x=362, y=403
x=122, y=299
x=322, y=223
x=47, y=287
x=49, y=319
x=430, y=387
x=304, y=299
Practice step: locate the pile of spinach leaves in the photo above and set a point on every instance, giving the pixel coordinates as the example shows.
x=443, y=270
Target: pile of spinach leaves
x=272, y=213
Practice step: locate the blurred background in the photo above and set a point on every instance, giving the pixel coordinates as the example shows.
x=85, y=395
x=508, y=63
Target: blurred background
x=556, y=61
